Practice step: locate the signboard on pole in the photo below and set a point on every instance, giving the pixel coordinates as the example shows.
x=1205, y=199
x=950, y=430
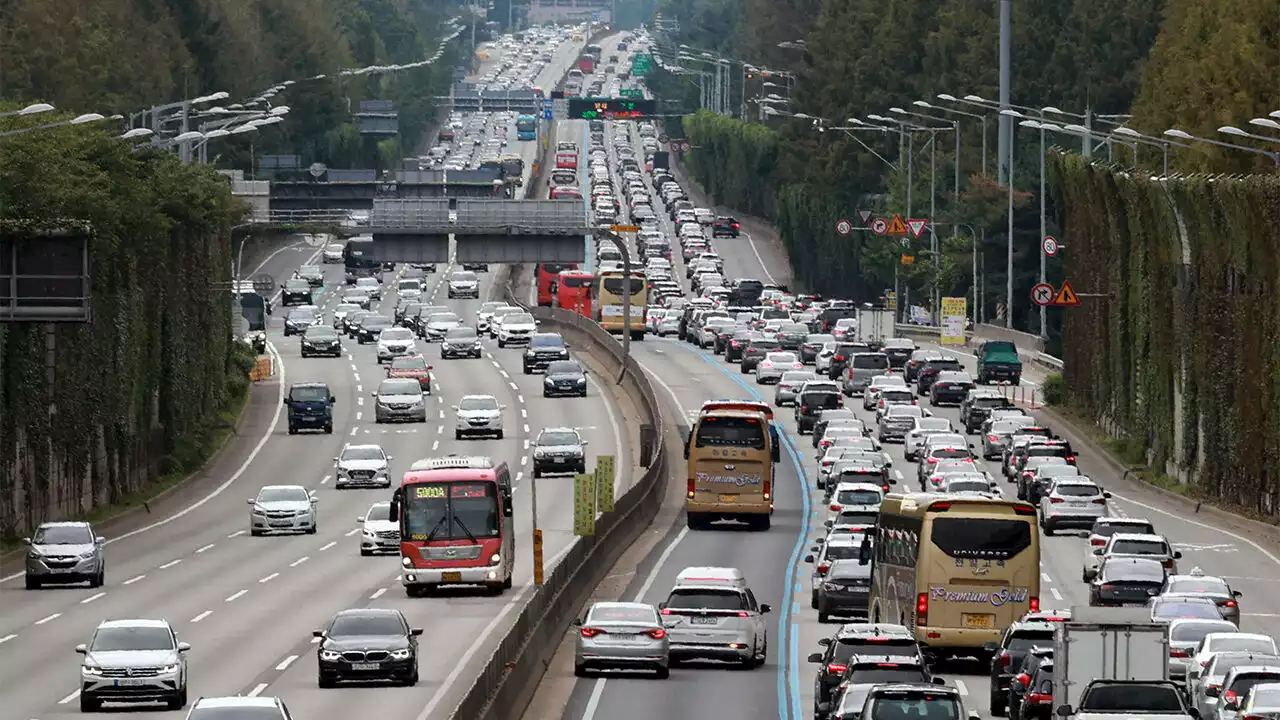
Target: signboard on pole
x=1050, y=245
x=844, y=227
x=896, y=226
x=1066, y=297
x=604, y=483
x=548, y=110
x=954, y=311
x=1042, y=294
x=584, y=505
x=880, y=226
x=641, y=64
x=891, y=300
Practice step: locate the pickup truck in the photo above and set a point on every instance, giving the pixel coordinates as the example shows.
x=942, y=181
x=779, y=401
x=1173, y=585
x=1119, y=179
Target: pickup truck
x=998, y=360
x=1130, y=700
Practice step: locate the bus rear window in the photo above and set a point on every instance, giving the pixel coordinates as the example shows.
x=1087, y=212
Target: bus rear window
x=981, y=538
x=615, y=284
x=575, y=282
x=730, y=431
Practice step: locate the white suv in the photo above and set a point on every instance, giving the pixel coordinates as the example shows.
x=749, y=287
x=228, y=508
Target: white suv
x=239, y=706
x=516, y=329
x=711, y=613
x=394, y=343
x=464, y=283
x=478, y=415
x=133, y=661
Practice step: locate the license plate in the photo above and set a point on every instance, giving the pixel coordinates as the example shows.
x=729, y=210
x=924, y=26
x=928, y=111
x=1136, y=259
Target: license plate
x=978, y=621
x=366, y=666
x=281, y=524
x=130, y=682
x=728, y=498
x=704, y=621
x=453, y=577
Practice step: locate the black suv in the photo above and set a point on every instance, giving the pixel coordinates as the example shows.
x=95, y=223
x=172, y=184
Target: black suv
x=1009, y=654
x=929, y=373
x=725, y=227
x=810, y=404
x=950, y=387
x=977, y=407
x=869, y=671
x=852, y=641
x=544, y=349
x=295, y=292
x=1019, y=682
x=844, y=353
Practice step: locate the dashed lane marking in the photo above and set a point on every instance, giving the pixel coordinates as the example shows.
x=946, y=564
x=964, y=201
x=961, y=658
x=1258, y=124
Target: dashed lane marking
x=284, y=664
x=299, y=561
x=328, y=545
x=47, y=618
x=257, y=690
x=201, y=616
x=133, y=579
x=235, y=596
x=377, y=593
x=170, y=564
x=91, y=598
x=269, y=578
x=206, y=548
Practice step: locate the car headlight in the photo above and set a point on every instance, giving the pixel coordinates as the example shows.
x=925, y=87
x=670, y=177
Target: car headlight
x=91, y=670
x=582, y=381
x=830, y=586
x=548, y=381
x=529, y=352
x=173, y=668
x=539, y=452
x=259, y=510
x=495, y=558
x=401, y=654
x=329, y=655
x=369, y=534
x=86, y=555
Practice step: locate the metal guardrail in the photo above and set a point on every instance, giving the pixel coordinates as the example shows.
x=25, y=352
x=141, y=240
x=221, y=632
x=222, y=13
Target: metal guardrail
x=301, y=217
x=972, y=339
x=459, y=215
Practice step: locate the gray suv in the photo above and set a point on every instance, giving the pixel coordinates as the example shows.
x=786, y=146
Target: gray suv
x=133, y=661
x=65, y=552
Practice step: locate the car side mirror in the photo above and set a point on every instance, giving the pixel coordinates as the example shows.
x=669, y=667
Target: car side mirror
x=285, y=401
x=1016, y=685
x=1194, y=713
x=991, y=647
x=336, y=458
x=808, y=558
x=1211, y=691
x=100, y=540
x=940, y=681
x=686, y=448
x=1237, y=594
x=1106, y=495
x=375, y=394
x=317, y=633
x=1098, y=551
x=415, y=632
x=577, y=622
x=26, y=541
x=1177, y=555
x=314, y=500
x=455, y=407
x=815, y=657
x=390, y=458
x=662, y=605
x=824, y=641
x=332, y=400
x=250, y=501
x=82, y=649
x=184, y=646
x=765, y=608
x=820, y=541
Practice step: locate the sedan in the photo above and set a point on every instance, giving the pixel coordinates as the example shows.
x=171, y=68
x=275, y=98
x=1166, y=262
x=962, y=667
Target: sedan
x=1197, y=584
x=872, y=392
x=789, y=385
x=367, y=644
x=924, y=427
x=282, y=509
x=621, y=636
x=399, y=399
x=774, y=364
x=379, y=533
x=1167, y=608
x=1184, y=635
x=1217, y=642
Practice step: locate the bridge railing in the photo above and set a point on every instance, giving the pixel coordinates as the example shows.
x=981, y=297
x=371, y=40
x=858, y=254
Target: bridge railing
x=458, y=215
x=301, y=217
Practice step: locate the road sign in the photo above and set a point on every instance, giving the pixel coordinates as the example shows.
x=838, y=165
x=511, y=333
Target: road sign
x=908, y=259
x=1050, y=245
x=641, y=64
x=264, y=284
x=664, y=139
x=1066, y=296
x=684, y=146
x=604, y=483
x=880, y=226
x=891, y=300
x=548, y=109
x=631, y=92
x=538, y=572
x=584, y=504
x=917, y=227
x=317, y=169
x=1042, y=294
x=865, y=216
x=844, y=227
x=595, y=17
x=953, y=315
x=624, y=228
x=896, y=226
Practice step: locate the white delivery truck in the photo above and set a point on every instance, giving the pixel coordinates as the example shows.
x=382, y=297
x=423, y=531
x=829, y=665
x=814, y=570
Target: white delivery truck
x=875, y=325
x=1106, y=643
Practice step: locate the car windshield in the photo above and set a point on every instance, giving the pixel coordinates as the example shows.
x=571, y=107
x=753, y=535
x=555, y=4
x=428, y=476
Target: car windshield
x=412, y=362
x=916, y=707
x=461, y=333
x=63, y=535
x=478, y=403
x=885, y=673
x=400, y=387
x=1075, y=490
x=283, y=494
x=302, y=314
x=466, y=276
x=622, y=613
x=443, y=318
x=558, y=438
x=410, y=284
x=1139, y=547
x=517, y=319
x=706, y=599
x=547, y=341
x=842, y=552
x=564, y=367
x=491, y=306
x=959, y=486
x=1249, y=643
x=146, y=637
x=320, y=332
x=1194, y=632
x=1107, y=528
x=1212, y=586
x=367, y=626
x=1178, y=608
x=310, y=393
x=1142, y=571
x=379, y=512
x=375, y=322
x=362, y=453
x=247, y=712
x=396, y=334
x=858, y=497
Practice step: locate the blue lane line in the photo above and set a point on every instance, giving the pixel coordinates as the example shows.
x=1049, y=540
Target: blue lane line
x=788, y=652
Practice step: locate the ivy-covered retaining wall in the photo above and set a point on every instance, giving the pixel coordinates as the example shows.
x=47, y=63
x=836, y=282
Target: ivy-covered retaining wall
x=734, y=162
x=1183, y=356
x=134, y=394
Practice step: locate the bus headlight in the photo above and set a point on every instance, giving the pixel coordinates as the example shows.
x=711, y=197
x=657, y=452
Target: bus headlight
x=495, y=559
x=405, y=562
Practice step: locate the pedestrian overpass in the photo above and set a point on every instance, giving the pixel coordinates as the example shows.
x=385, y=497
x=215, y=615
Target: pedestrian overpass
x=484, y=230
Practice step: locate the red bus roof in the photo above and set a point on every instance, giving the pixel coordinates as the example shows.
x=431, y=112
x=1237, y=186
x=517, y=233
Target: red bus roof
x=748, y=405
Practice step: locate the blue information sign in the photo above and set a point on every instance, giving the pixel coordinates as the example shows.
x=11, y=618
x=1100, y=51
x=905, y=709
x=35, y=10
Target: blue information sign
x=548, y=110
x=595, y=17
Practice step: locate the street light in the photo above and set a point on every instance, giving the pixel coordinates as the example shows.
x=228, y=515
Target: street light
x=135, y=133
x=1232, y=130
x=34, y=109
x=1266, y=123
x=1182, y=135
x=1008, y=267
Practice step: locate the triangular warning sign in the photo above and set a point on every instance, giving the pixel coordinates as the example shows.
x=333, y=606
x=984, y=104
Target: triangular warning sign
x=1066, y=295
x=896, y=226
x=917, y=227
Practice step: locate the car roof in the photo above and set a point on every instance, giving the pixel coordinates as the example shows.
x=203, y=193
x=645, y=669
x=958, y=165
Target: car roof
x=234, y=701
x=65, y=523
x=361, y=447
x=368, y=612
x=134, y=622
x=1143, y=537
x=863, y=630
x=284, y=487
x=856, y=485
x=889, y=688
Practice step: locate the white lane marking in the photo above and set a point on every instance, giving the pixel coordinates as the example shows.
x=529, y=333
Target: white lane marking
x=520, y=399
x=524, y=460
x=257, y=690
x=765, y=268
x=349, y=533
x=315, y=641
x=7, y=638
x=299, y=561
x=201, y=616
x=360, y=401
x=435, y=446
x=328, y=545
x=360, y=389
x=524, y=412
x=285, y=663
x=267, y=434
x=170, y=564
x=47, y=618
x=69, y=698
x=526, y=440
x=1202, y=526
x=91, y=598
x=359, y=416
x=235, y=596
x=206, y=548
x=960, y=686
x=1045, y=577
x=355, y=430
x=377, y=593
x=442, y=412
x=133, y=579
x=237, y=533
x=325, y=479
x=269, y=578
x=519, y=475
x=1057, y=596
x=440, y=430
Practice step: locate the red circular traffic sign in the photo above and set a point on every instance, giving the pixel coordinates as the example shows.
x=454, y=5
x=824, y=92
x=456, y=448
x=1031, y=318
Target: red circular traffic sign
x=880, y=226
x=844, y=227
x=1042, y=294
x=1050, y=245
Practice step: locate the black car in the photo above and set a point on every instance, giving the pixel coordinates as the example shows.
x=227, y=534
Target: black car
x=755, y=352
x=844, y=353
x=321, y=340
x=544, y=349
x=866, y=672
x=367, y=644
x=1008, y=655
x=298, y=321
x=810, y=404
x=461, y=342
x=295, y=292
x=737, y=344
x=1037, y=702
x=899, y=351
x=726, y=227
x=309, y=406
x=476, y=267
x=1020, y=682
x=407, y=313
x=852, y=641
x=723, y=335
x=929, y=373
x=977, y=406
x=950, y=387
x=812, y=345
x=312, y=274
x=373, y=326
x=1127, y=581
x=559, y=450
x=917, y=361
x=564, y=377
x=845, y=590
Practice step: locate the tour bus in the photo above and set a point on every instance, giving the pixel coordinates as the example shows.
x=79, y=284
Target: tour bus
x=548, y=275
x=456, y=522
x=357, y=259
x=566, y=160
x=574, y=291
x=956, y=569
x=526, y=127
x=731, y=452
x=608, y=289
x=595, y=52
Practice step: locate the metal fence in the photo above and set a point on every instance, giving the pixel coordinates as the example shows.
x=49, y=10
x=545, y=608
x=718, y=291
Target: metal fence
x=302, y=217
x=516, y=217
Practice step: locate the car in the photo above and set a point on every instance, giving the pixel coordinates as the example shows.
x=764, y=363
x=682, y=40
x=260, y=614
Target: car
x=309, y=407
x=321, y=340
x=564, y=378
x=1197, y=583
x=850, y=495
x=371, y=285
x=1250, y=691
x=812, y=345
x=997, y=435
x=835, y=417
x=890, y=396
x=340, y=314
x=283, y=509
x=399, y=399
x=1104, y=527
x=295, y=292
x=300, y=319
x=860, y=369
x=362, y=466
x=145, y=652
x=559, y=450
x=756, y=351
x=927, y=374
x=844, y=546
x=356, y=296
x=870, y=394
x=845, y=590
x=378, y=532
x=409, y=288
x=774, y=364
x=413, y=367
x=1040, y=474
x=516, y=328
x=1184, y=635
x=897, y=421
x=396, y=342
x=893, y=701
x=439, y=324
x=544, y=349
x=950, y=387
x=1072, y=502
x=788, y=386
x=898, y=350
x=814, y=400
x=371, y=327
x=1205, y=690
x=1126, y=580
x=621, y=636
x=711, y=614
x=1218, y=642
x=65, y=552
x=367, y=644
x=866, y=672
x=855, y=640
x=485, y=314
x=725, y=226
x=923, y=428
x=313, y=274
x=461, y=341
x=333, y=253
x=1167, y=608
x=258, y=707
x=1136, y=545
x=478, y=415
x=1015, y=643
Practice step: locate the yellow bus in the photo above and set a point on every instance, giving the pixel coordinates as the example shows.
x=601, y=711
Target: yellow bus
x=609, y=287
x=957, y=570
x=731, y=452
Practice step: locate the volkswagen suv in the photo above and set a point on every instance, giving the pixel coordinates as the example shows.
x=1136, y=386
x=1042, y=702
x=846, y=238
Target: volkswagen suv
x=133, y=661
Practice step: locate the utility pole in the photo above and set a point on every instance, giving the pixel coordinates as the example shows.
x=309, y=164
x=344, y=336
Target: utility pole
x=1008, y=268
x=1006, y=78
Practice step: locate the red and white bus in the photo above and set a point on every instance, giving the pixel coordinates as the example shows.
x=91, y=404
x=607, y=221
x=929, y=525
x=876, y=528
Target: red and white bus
x=548, y=277
x=566, y=161
x=574, y=291
x=565, y=192
x=457, y=525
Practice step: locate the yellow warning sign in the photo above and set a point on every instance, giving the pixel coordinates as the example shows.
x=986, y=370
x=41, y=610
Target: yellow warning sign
x=1066, y=295
x=908, y=259
x=896, y=226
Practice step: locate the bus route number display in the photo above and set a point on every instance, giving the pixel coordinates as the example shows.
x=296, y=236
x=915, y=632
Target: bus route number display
x=429, y=491
x=610, y=108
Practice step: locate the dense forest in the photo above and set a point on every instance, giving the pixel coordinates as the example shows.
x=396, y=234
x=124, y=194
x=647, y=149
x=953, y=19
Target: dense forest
x=1176, y=356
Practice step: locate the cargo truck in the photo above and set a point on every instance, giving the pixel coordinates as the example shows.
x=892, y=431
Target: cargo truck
x=998, y=360
x=875, y=325
x=1120, y=643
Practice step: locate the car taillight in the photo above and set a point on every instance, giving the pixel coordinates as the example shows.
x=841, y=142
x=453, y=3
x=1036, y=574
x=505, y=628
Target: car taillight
x=736, y=226
x=1098, y=542
x=1040, y=698
x=993, y=438
x=1168, y=563
x=804, y=409
x=823, y=568
x=839, y=357
x=1023, y=678
x=922, y=609
x=657, y=634
x=743, y=614
x=881, y=403
x=1005, y=659
x=666, y=611
x=835, y=508
x=837, y=668
x=1229, y=603
x=1071, y=458
x=1179, y=653
x=1100, y=501
x=1229, y=696
x=590, y=632
x=768, y=486
x=1033, y=604
x=692, y=482
x=932, y=460
x=1056, y=500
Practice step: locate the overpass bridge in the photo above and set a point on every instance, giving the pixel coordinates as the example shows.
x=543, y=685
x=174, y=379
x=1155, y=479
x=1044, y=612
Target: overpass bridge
x=483, y=230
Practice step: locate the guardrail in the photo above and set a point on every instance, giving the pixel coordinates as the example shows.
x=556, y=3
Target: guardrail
x=1029, y=346
x=301, y=217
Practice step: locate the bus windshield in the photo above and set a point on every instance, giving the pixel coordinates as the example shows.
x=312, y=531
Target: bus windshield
x=730, y=431
x=526, y=124
x=451, y=511
x=570, y=281
x=358, y=253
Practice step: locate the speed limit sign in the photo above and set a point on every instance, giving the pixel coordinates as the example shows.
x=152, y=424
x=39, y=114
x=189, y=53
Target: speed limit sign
x=844, y=227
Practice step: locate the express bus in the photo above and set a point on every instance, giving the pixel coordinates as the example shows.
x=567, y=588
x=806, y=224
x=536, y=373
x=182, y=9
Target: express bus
x=574, y=291
x=608, y=289
x=731, y=453
x=527, y=127
x=548, y=276
x=357, y=259
x=456, y=524
x=565, y=192
x=566, y=160
x=595, y=52
x=956, y=569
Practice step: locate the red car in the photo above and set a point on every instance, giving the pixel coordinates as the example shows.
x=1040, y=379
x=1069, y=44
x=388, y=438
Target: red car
x=412, y=366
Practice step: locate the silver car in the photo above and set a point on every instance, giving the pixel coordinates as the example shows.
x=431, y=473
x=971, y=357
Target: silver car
x=788, y=387
x=621, y=636
x=924, y=427
x=133, y=661
x=65, y=552
x=1205, y=689
x=478, y=415
x=871, y=395
x=485, y=315
x=1072, y=502
x=396, y=342
x=439, y=324
x=378, y=533
x=399, y=399
x=464, y=283
x=283, y=509
x=774, y=364
x=362, y=466
x=1184, y=635
x=711, y=614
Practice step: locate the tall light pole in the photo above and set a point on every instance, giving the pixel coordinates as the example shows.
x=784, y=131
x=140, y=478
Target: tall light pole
x=1044, y=231
x=1009, y=115
x=982, y=119
x=1006, y=79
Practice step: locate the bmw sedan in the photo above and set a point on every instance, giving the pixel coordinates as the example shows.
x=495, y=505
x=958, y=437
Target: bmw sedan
x=368, y=644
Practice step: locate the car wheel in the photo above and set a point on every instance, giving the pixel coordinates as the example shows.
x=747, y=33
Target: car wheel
x=662, y=672
x=823, y=617
x=813, y=599
x=324, y=681
x=179, y=700
x=499, y=435
x=293, y=430
x=89, y=703
x=580, y=671
x=457, y=434
x=33, y=583
x=328, y=429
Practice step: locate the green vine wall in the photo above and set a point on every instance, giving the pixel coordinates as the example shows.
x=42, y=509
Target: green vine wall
x=137, y=390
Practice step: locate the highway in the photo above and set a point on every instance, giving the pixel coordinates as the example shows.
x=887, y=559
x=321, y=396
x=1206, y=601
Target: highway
x=772, y=561
x=248, y=605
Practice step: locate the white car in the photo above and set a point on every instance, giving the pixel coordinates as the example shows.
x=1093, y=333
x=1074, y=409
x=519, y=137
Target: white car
x=361, y=466
x=871, y=394
x=340, y=314
x=856, y=495
x=394, y=343
x=1227, y=642
x=378, y=533
x=333, y=253
x=478, y=415
x=370, y=286
x=358, y=297
x=464, y=284
x=924, y=427
x=409, y=288
x=653, y=319
x=485, y=315
x=707, y=333
x=439, y=324
x=516, y=328
x=145, y=651
x=283, y=509
x=774, y=364
x=822, y=361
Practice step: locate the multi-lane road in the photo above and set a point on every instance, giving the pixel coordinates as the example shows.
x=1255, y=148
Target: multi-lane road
x=248, y=605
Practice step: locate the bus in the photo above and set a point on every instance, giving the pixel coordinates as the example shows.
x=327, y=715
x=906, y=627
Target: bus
x=595, y=52
x=566, y=160
x=574, y=291
x=357, y=259
x=566, y=192
x=456, y=523
x=527, y=127
x=607, y=290
x=958, y=570
x=730, y=453
x=547, y=276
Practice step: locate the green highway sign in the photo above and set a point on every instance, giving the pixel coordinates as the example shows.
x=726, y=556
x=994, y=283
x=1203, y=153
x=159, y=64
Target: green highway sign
x=641, y=64
x=631, y=92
